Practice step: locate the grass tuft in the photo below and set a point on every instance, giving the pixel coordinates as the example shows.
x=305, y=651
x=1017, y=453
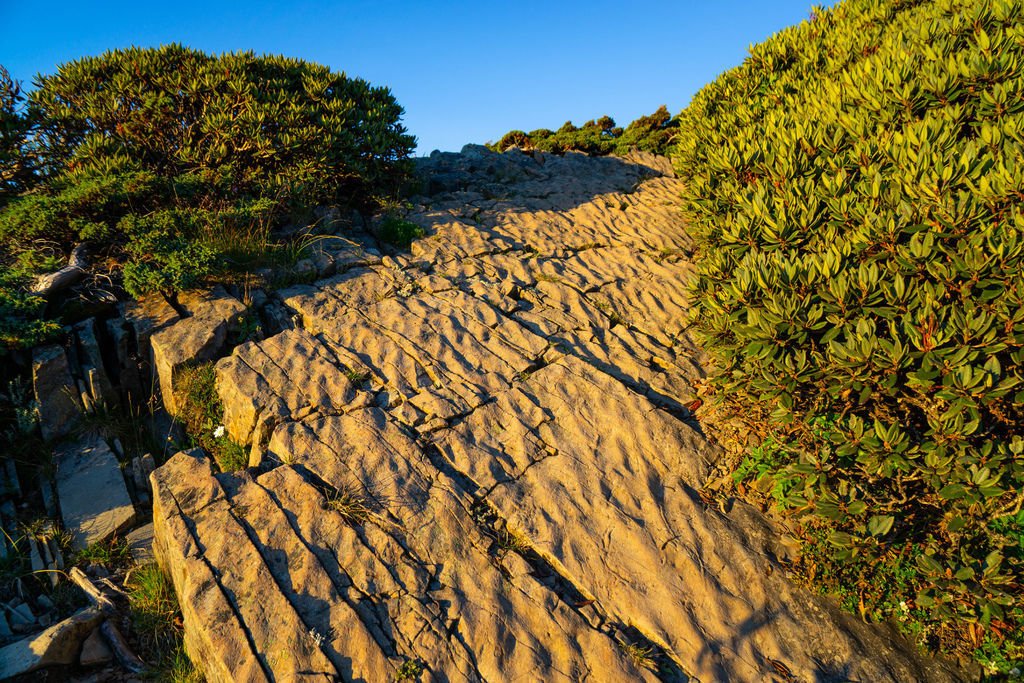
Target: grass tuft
x=113, y=553
x=509, y=540
x=641, y=655
x=156, y=623
x=350, y=504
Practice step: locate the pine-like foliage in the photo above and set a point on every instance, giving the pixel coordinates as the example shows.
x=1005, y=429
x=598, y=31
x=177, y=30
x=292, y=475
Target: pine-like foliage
x=16, y=171
x=856, y=190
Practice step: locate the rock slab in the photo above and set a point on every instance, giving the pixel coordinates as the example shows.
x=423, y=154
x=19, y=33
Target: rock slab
x=94, y=500
x=95, y=651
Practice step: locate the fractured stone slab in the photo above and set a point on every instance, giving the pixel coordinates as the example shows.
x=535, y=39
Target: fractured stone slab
x=94, y=500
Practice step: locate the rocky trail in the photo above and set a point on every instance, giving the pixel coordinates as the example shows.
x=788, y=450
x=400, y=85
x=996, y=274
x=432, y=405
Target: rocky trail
x=474, y=461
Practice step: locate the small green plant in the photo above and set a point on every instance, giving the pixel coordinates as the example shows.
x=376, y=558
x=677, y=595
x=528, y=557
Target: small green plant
x=484, y=514
x=357, y=375
x=248, y=327
x=514, y=542
x=399, y=232
x=230, y=456
x=113, y=553
x=522, y=375
x=19, y=409
x=642, y=656
x=202, y=415
x=410, y=670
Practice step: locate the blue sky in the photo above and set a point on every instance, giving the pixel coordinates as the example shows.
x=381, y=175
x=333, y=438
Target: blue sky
x=464, y=71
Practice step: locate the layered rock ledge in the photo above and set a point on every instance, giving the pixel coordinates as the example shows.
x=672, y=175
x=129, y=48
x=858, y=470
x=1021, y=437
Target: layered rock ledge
x=473, y=462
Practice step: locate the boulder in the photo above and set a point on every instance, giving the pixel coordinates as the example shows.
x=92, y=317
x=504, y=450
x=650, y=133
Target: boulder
x=147, y=315
x=140, y=541
x=95, y=651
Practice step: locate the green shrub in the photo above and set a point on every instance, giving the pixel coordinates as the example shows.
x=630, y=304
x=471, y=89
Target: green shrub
x=178, y=161
x=513, y=138
x=21, y=313
x=648, y=133
x=399, y=232
x=856, y=187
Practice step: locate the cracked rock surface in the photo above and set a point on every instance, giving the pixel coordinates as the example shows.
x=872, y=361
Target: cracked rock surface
x=473, y=462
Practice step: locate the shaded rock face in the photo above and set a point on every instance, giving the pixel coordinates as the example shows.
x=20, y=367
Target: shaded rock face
x=94, y=500
x=474, y=462
x=56, y=392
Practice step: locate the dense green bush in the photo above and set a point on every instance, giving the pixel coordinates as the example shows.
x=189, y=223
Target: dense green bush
x=177, y=159
x=648, y=133
x=398, y=232
x=856, y=189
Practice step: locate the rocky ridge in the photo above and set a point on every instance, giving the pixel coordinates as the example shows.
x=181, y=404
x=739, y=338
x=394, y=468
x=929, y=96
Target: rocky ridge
x=475, y=462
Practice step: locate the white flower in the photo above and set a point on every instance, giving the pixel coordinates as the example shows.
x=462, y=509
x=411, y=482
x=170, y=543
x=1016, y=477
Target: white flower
x=317, y=637
x=903, y=606
x=218, y=432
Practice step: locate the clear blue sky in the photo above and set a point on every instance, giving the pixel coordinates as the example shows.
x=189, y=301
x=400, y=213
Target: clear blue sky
x=464, y=71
